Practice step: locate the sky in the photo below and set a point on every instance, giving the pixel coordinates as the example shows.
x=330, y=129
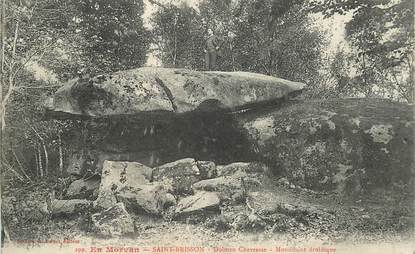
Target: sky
x=335, y=26
x=150, y=8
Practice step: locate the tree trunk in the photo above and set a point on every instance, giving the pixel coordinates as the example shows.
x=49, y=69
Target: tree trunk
x=11, y=87
x=3, y=42
x=2, y=115
x=175, y=42
x=45, y=150
x=60, y=154
x=40, y=162
x=37, y=164
x=232, y=56
x=269, y=62
x=14, y=171
x=20, y=165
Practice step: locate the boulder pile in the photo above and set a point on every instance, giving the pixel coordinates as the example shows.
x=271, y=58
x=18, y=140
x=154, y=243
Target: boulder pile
x=174, y=190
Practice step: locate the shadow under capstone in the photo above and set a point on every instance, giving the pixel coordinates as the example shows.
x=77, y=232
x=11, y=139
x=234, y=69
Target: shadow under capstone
x=209, y=133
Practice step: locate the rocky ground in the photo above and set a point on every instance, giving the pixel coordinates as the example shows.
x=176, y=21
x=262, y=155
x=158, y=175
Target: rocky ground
x=240, y=204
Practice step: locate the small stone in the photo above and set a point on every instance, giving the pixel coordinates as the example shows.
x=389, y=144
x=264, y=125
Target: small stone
x=265, y=201
x=83, y=188
x=117, y=175
x=180, y=175
x=283, y=181
x=31, y=207
x=76, y=164
x=289, y=209
x=241, y=168
x=207, y=169
x=406, y=222
x=105, y=200
x=201, y=201
x=114, y=221
x=228, y=187
x=71, y=206
x=150, y=198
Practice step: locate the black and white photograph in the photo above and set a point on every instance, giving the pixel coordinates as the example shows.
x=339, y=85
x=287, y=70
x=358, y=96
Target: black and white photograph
x=207, y=126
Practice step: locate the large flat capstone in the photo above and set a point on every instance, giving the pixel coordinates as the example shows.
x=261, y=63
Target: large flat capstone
x=151, y=89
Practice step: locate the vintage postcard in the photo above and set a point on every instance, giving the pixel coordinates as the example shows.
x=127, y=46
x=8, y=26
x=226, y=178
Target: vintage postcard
x=207, y=126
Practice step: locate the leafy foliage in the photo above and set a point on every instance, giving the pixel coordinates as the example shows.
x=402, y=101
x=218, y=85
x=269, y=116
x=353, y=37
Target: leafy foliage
x=381, y=34
x=281, y=42
x=47, y=42
x=178, y=35
x=114, y=32
x=274, y=37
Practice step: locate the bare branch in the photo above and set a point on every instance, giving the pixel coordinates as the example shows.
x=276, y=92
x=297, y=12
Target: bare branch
x=37, y=133
x=28, y=58
x=38, y=87
x=157, y=3
x=3, y=40
x=32, y=10
x=16, y=34
x=3, y=35
x=10, y=89
x=20, y=165
x=14, y=171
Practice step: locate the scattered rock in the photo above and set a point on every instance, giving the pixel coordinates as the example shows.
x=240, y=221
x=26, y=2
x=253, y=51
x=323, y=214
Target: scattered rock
x=229, y=188
x=235, y=216
x=28, y=207
x=283, y=181
x=207, y=169
x=201, y=201
x=238, y=217
x=281, y=215
x=266, y=202
x=114, y=221
x=179, y=175
x=117, y=175
x=68, y=207
x=280, y=222
x=83, y=188
x=105, y=200
x=76, y=164
x=241, y=168
x=296, y=210
x=406, y=222
x=151, y=198
x=9, y=206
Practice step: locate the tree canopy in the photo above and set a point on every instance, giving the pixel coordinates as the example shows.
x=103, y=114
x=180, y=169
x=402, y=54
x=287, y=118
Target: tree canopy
x=381, y=35
x=44, y=44
x=273, y=37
